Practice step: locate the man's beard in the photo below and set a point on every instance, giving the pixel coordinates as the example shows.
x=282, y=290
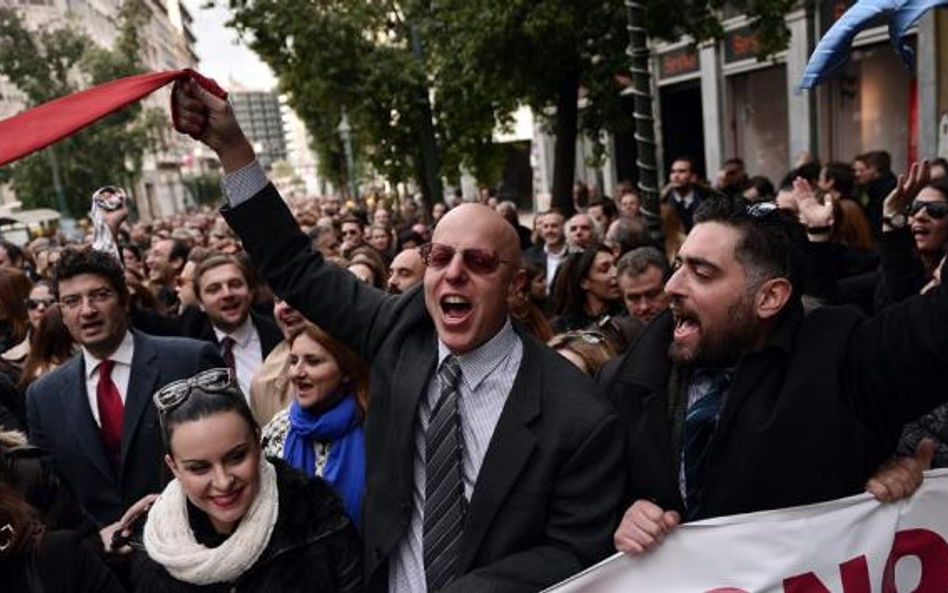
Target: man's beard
x=722, y=347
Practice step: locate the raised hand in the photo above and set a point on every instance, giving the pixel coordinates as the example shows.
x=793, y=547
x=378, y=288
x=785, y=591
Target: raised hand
x=899, y=199
x=643, y=527
x=211, y=120
x=813, y=213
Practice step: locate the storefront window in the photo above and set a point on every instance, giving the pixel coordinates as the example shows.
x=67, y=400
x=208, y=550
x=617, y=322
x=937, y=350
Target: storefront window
x=758, y=128
x=870, y=107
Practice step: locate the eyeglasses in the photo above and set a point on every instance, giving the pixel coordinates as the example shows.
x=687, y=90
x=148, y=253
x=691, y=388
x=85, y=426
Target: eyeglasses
x=95, y=297
x=213, y=380
x=934, y=209
x=33, y=304
x=479, y=261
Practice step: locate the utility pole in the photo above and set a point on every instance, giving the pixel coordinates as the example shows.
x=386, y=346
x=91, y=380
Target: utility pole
x=644, y=120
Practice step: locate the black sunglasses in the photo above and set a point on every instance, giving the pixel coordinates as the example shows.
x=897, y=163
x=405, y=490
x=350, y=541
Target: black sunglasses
x=213, y=380
x=934, y=209
x=479, y=261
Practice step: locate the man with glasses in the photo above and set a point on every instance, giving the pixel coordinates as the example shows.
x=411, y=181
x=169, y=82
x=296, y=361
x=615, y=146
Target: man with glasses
x=94, y=414
x=492, y=464
x=737, y=401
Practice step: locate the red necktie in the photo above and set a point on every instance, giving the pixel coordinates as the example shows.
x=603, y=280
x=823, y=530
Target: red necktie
x=111, y=410
x=41, y=126
x=227, y=353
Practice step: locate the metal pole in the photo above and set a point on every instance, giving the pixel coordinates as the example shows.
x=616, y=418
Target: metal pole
x=644, y=121
x=345, y=131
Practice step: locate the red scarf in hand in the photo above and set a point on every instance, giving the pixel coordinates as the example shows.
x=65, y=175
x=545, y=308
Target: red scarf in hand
x=43, y=125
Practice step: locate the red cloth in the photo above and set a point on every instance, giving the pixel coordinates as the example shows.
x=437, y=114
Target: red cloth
x=111, y=410
x=43, y=125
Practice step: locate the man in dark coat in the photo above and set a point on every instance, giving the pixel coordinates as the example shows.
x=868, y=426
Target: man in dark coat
x=534, y=483
x=94, y=414
x=737, y=401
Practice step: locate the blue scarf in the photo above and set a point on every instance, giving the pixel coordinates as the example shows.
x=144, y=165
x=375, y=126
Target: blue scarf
x=341, y=428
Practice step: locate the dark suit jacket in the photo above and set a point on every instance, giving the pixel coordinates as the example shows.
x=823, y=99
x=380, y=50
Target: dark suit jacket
x=194, y=323
x=61, y=423
x=808, y=417
x=546, y=499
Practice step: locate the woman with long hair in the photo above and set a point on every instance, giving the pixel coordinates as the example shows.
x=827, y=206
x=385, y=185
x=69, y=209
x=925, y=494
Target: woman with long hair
x=232, y=519
x=586, y=289
x=14, y=321
x=52, y=345
x=321, y=432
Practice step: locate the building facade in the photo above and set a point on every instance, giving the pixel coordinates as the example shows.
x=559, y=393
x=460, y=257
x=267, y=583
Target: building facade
x=260, y=116
x=716, y=101
x=167, y=43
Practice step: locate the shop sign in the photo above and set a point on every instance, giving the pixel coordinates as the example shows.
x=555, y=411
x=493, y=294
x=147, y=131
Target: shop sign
x=740, y=44
x=678, y=62
x=832, y=10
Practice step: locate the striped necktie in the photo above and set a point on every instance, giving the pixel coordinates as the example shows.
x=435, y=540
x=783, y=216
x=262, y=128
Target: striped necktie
x=700, y=422
x=444, y=483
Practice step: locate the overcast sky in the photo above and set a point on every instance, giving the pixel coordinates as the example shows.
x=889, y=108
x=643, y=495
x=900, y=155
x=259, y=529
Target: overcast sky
x=223, y=57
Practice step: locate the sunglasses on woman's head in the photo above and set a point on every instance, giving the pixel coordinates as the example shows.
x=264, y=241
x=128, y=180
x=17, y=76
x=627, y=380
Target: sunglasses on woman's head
x=213, y=380
x=934, y=209
x=479, y=261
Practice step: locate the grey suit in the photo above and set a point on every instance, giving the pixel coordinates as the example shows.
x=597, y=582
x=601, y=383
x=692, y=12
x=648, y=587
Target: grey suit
x=547, y=496
x=61, y=422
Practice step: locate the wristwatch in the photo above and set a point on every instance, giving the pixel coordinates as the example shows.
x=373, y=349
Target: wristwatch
x=896, y=221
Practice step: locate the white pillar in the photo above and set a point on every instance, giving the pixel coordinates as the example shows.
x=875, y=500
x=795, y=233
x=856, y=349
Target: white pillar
x=799, y=113
x=712, y=108
x=926, y=68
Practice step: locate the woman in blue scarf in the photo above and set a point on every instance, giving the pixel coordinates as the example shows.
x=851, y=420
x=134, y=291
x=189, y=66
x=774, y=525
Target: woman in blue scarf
x=321, y=432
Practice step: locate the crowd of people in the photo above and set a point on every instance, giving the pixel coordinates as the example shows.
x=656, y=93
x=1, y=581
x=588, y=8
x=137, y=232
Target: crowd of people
x=322, y=395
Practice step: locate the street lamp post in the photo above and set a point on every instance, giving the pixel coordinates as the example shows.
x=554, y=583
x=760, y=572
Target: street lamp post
x=345, y=133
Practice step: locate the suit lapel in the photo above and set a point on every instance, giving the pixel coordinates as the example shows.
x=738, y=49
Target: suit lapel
x=415, y=367
x=142, y=383
x=510, y=448
x=76, y=403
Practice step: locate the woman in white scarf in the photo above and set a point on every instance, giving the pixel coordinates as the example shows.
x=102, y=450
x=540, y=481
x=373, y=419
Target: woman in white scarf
x=218, y=524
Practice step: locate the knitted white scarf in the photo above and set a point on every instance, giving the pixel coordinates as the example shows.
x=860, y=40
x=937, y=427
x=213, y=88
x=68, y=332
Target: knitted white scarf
x=170, y=542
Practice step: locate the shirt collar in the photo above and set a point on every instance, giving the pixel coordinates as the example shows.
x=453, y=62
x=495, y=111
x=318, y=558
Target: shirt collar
x=122, y=355
x=477, y=364
x=241, y=335
x=564, y=249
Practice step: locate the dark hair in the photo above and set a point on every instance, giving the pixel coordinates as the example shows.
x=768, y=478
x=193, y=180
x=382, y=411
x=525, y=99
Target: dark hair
x=569, y=298
x=809, y=171
x=735, y=161
x=608, y=205
x=939, y=185
x=638, y=261
x=841, y=174
x=179, y=250
x=216, y=261
x=765, y=189
x=200, y=404
x=23, y=521
x=74, y=262
x=409, y=236
x=772, y=244
x=880, y=160
x=14, y=253
x=135, y=249
x=15, y=288
x=50, y=346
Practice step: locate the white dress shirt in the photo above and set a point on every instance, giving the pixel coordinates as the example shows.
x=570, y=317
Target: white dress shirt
x=553, y=261
x=487, y=374
x=121, y=373
x=248, y=353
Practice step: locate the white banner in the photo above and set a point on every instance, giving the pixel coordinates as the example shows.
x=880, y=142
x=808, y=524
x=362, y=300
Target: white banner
x=853, y=545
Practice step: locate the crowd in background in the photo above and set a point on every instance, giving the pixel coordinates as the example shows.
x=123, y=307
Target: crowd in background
x=595, y=280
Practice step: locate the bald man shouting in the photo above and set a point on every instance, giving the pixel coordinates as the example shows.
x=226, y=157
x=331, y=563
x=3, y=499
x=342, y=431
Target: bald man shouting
x=491, y=465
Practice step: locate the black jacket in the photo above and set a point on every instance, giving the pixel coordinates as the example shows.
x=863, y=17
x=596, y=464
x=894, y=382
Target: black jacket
x=194, y=323
x=61, y=563
x=314, y=547
x=546, y=499
x=808, y=417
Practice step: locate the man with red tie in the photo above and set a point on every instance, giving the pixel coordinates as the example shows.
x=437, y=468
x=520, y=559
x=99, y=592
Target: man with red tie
x=94, y=415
